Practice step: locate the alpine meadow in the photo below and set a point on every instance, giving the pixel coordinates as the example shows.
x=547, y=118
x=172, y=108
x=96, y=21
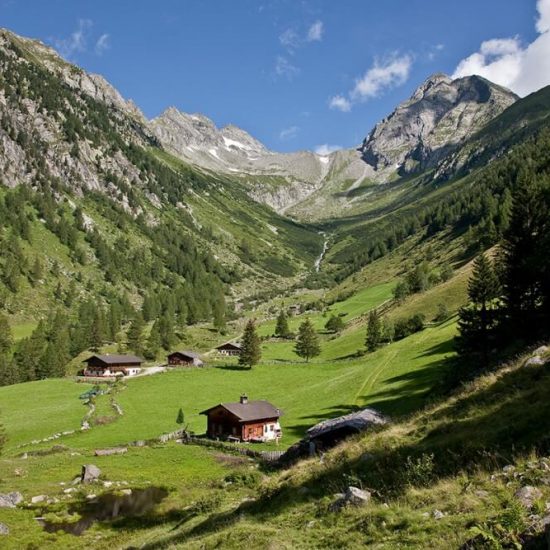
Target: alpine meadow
x=209, y=342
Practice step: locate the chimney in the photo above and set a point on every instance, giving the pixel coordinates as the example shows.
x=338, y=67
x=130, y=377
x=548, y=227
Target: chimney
x=244, y=399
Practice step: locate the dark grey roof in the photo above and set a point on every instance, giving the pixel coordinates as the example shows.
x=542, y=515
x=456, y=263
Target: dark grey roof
x=231, y=344
x=110, y=359
x=192, y=354
x=253, y=410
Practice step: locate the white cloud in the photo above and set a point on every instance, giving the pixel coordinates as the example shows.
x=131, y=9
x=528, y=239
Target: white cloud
x=326, y=149
x=76, y=42
x=506, y=61
x=315, y=32
x=341, y=103
x=289, y=133
x=102, y=44
x=289, y=38
x=283, y=67
x=387, y=74
x=383, y=75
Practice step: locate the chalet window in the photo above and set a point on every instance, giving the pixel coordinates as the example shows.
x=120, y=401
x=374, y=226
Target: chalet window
x=271, y=427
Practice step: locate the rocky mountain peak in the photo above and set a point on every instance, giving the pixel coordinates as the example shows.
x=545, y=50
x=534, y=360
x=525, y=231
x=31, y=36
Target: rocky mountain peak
x=439, y=115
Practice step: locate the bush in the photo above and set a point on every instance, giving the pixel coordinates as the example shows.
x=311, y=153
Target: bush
x=406, y=327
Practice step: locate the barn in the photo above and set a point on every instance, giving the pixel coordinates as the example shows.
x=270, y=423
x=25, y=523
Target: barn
x=184, y=359
x=229, y=348
x=245, y=420
x=112, y=365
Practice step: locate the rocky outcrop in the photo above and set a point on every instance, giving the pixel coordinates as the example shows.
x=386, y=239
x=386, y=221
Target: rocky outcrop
x=440, y=115
x=352, y=497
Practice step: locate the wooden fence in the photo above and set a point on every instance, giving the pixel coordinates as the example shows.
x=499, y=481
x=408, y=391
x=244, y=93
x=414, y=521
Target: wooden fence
x=266, y=456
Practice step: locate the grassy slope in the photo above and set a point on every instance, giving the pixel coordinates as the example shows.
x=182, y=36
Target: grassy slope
x=458, y=447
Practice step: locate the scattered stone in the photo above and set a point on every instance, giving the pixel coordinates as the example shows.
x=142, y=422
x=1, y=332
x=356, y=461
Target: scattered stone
x=107, y=484
x=481, y=493
x=85, y=425
x=310, y=524
x=113, y=451
x=438, y=514
x=4, y=529
x=52, y=500
x=19, y=472
x=426, y=515
x=90, y=473
x=69, y=490
x=38, y=498
x=24, y=456
x=91, y=497
x=10, y=500
x=509, y=469
x=128, y=492
x=527, y=495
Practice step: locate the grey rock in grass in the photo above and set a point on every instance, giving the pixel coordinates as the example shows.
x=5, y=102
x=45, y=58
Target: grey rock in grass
x=352, y=497
x=4, y=529
x=10, y=500
x=38, y=498
x=90, y=473
x=527, y=495
x=438, y=514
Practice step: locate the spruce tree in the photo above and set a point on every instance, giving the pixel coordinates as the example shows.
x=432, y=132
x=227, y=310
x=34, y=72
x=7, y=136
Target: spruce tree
x=8, y=371
x=307, y=342
x=525, y=256
x=153, y=342
x=282, y=329
x=180, y=419
x=374, y=331
x=6, y=340
x=478, y=320
x=135, y=334
x=250, y=346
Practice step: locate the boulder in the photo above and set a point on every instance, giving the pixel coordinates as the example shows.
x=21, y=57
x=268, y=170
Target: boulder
x=356, y=496
x=10, y=500
x=90, y=473
x=438, y=514
x=352, y=497
x=527, y=495
x=4, y=529
x=112, y=451
x=38, y=498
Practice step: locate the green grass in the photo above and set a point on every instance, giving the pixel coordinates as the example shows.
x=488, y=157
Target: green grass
x=22, y=330
x=36, y=410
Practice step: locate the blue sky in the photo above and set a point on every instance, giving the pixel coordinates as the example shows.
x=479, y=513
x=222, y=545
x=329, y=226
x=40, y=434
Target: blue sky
x=295, y=74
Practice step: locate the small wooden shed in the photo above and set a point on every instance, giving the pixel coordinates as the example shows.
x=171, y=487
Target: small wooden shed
x=184, y=359
x=229, y=348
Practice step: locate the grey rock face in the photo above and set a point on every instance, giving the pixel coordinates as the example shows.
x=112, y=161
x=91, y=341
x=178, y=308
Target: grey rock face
x=440, y=115
x=10, y=500
x=90, y=473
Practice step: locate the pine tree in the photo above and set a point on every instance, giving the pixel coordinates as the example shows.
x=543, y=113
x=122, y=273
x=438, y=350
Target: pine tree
x=335, y=323
x=166, y=331
x=8, y=371
x=307, y=341
x=153, y=342
x=282, y=329
x=374, y=331
x=250, y=346
x=6, y=340
x=525, y=257
x=478, y=321
x=135, y=334
x=180, y=419
x=97, y=329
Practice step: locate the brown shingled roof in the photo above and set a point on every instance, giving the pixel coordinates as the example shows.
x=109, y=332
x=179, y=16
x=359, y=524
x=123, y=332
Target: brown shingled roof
x=111, y=359
x=252, y=410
